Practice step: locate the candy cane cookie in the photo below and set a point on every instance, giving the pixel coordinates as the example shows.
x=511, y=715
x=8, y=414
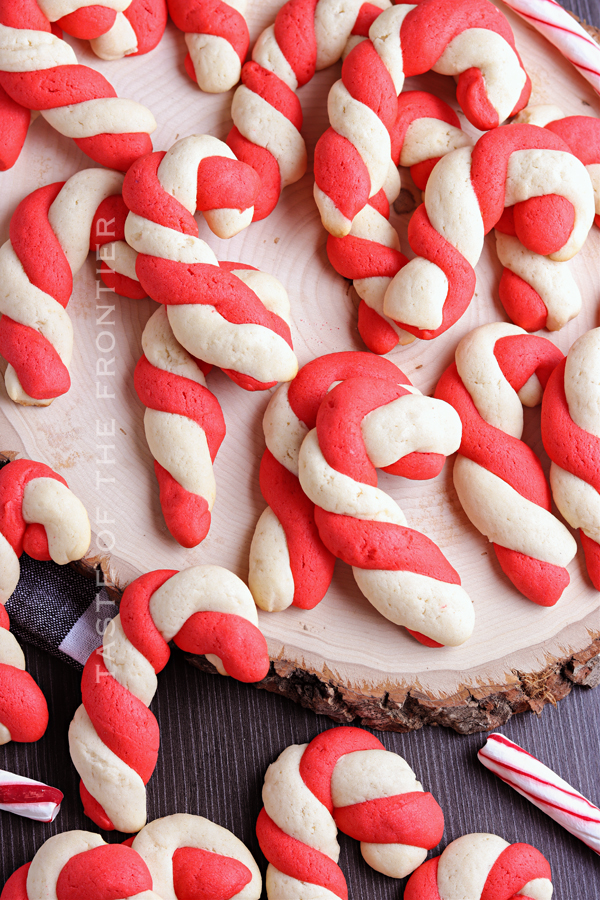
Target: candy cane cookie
x=227, y=314
x=571, y=436
x=114, y=28
x=78, y=864
x=520, y=166
x=344, y=778
x=114, y=737
x=469, y=39
x=39, y=71
x=51, y=234
x=217, y=38
x=289, y=564
x=482, y=867
x=307, y=36
x=189, y=855
x=499, y=480
x=40, y=516
x=425, y=129
x=362, y=424
x=184, y=428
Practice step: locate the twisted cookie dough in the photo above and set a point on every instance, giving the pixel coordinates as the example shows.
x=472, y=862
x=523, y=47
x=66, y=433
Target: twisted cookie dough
x=344, y=778
x=571, y=436
x=40, y=71
x=78, y=864
x=267, y=117
x=227, y=314
x=51, y=234
x=499, y=480
x=520, y=166
x=217, y=38
x=114, y=28
x=482, y=867
x=38, y=515
x=289, y=564
x=184, y=428
x=362, y=424
x=469, y=39
x=114, y=737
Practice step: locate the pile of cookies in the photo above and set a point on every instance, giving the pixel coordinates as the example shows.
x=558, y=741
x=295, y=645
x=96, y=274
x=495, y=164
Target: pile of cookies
x=335, y=419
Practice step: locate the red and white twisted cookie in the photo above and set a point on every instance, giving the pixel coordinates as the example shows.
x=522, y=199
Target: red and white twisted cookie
x=189, y=856
x=227, y=314
x=78, y=864
x=571, y=436
x=114, y=28
x=114, y=737
x=307, y=36
x=184, y=428
x=40, y=516
x=499, y=479
x=289, y=564
x=469, y=39
x=40, y=71
x=51, y=233
x=520, y=166
x=217, y=38
x=425, y=129
x=362, y=424
x=344, y=778
x=482, y=867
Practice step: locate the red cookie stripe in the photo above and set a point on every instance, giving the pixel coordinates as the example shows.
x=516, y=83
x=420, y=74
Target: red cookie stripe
x=237, y=642
x=144, y=195
x=413, y=105
x=123, y=723
x=313, y=381
x=187, y=515
x=541, y=582
x=39, y=368
x=16, y=886
x=341, y=173
x=569, y=446
x=322, y=754
x=265, y=165
x=507, y=457
x=581, y=134
x=137, y=622
x=88, y=23
x=522, y=303
x=422, y=884
x=413, y=818
x=297, y=860
x=93, y=810
x=274, y=91
x=23, y=708
x=378, y=335
x=212, y=17
x=148, y=18
x=204, y=875
x=339, y=424
x=368, y=82
x=517, y=865
x=108, y=872
x=310, y=561
x=295, y=34
x=365, y=18
x=383, y=545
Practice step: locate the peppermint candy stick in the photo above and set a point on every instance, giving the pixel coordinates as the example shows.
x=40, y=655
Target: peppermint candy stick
x=28, y=798
x=542, y=787
x=567, y=35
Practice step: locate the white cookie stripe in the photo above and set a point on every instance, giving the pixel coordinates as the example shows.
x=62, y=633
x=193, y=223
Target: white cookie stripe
x=158, y=841
x=542, y=787
x=63, y=516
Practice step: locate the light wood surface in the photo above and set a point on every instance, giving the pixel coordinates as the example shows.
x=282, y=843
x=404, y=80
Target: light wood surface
x=342, y=657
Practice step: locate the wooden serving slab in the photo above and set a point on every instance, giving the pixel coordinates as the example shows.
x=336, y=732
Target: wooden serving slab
x=342, y=658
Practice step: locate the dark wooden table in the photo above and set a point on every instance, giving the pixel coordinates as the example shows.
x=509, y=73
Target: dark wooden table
x=218, y=737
